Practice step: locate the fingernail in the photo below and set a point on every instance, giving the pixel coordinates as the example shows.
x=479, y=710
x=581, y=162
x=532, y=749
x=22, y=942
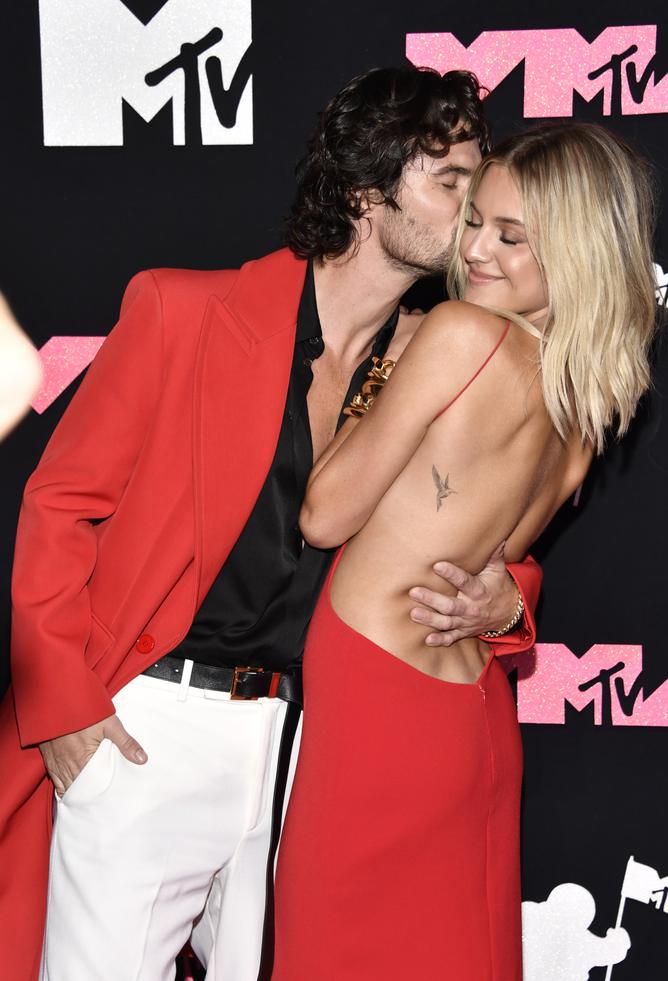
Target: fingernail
x=140, y=756
x=431, y=640
x=417, y=615
x=414, y=593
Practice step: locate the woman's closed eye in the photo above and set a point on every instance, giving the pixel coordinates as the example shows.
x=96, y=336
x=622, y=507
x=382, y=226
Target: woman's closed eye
x=502, y=238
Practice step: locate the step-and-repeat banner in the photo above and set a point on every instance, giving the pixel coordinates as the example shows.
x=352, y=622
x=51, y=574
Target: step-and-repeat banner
x=142, y=133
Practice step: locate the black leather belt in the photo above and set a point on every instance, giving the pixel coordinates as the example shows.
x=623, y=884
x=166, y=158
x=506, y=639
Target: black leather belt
x=243, y=683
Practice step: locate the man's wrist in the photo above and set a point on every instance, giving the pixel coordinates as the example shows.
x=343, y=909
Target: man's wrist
x=513, y=623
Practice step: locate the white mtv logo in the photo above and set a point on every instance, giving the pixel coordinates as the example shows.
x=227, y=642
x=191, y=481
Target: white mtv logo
x=192, y=53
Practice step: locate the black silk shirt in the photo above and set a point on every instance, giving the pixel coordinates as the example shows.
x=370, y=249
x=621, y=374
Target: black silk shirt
x=259, y=606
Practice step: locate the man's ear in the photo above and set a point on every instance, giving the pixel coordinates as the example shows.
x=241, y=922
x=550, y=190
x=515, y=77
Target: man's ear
x=365, y=199
x=374, y=198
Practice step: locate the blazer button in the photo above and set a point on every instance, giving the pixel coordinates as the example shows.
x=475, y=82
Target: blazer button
x=145, y=644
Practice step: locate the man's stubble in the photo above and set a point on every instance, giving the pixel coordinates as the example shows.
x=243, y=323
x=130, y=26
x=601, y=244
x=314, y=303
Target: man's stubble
x=413, y=246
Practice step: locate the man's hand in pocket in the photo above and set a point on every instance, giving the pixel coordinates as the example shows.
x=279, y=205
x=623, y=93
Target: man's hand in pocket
x=66, y=756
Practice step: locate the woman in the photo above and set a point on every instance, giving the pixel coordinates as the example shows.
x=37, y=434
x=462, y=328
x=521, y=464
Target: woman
x=400, y=854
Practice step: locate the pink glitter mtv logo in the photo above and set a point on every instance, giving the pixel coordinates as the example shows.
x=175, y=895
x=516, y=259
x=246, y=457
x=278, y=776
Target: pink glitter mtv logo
x=620, y=61
x=609, y=675
x=63, y=358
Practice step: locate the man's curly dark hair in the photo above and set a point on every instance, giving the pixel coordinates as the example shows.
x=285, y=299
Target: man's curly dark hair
x=365, y=137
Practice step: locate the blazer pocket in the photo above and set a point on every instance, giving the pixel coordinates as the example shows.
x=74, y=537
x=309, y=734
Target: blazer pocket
x=99, y=641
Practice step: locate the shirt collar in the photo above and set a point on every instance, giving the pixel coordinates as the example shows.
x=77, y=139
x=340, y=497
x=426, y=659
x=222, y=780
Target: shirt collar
x=308, y=321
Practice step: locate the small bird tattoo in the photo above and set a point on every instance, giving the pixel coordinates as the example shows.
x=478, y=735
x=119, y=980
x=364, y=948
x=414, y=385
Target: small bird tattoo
x=442, y=488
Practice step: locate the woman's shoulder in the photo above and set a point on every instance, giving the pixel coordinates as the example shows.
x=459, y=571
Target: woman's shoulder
x=456, y=327
x=460, y=313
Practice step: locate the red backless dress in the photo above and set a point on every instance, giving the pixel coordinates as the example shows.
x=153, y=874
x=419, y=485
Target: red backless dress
x=399, y=859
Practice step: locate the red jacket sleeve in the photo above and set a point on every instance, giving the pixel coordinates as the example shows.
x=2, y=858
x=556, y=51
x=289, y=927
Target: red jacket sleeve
x=528, y=577
x=79, y=480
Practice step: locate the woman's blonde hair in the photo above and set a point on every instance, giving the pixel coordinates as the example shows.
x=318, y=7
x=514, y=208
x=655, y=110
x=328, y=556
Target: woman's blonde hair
x=588, y=208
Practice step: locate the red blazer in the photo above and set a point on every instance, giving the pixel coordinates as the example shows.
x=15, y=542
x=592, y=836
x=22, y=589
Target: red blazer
x=141, y=492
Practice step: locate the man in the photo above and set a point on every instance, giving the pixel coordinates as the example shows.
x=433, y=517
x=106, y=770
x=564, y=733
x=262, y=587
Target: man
x=159, y=560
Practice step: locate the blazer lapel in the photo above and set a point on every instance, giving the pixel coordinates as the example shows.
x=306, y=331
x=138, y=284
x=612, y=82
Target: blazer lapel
x=241, y=381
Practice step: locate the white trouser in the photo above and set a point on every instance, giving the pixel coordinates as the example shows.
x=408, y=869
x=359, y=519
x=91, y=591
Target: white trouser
x=141, y=853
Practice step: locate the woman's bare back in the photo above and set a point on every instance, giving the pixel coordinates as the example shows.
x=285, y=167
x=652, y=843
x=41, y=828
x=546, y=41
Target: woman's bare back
x=490, y=468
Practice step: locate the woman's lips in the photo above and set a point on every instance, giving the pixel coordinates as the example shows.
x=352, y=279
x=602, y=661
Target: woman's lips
x=479, y=279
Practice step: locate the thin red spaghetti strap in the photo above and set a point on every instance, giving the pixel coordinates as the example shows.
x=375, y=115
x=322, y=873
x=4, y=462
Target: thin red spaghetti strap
x=332, y=568
x=473, y=378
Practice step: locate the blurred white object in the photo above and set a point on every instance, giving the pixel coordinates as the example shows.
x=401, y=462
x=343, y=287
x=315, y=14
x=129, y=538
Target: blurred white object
x=661, y=284
x=20, y=371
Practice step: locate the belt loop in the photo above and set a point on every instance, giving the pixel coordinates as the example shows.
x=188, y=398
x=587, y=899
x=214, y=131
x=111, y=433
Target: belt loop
x=182, y=694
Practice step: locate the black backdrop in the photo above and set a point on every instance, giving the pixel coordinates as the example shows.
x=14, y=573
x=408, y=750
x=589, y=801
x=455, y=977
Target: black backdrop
x=79, y=221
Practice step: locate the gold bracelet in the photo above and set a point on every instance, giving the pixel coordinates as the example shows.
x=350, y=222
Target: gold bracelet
x=512, y=623
x=362, y=402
